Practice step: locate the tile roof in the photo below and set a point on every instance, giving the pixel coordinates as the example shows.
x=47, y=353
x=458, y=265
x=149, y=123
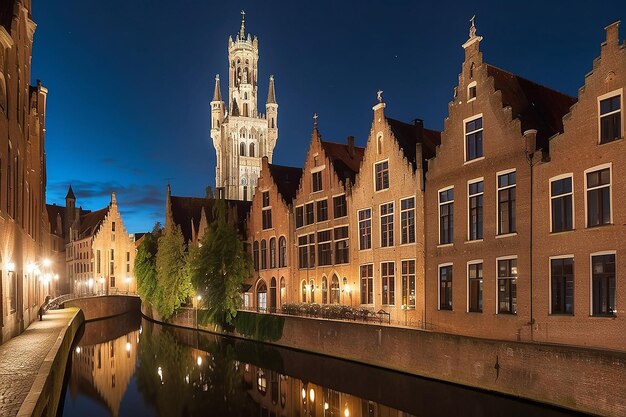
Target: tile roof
x=90, y=222
x=54, y=210
x=287, y=180
x=536, y=106
x=408, y=135
x=345, y=163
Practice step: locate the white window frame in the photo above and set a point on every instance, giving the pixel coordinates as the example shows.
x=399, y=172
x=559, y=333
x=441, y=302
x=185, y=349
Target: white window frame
x=557, y=178
x=373, y=284
x=506, y=171
x=395, y=273
x=591, y=255
x=469, y=86
x=503, y=258
x=608, y=165
x=439, y=284
x=618, y=92
x=467, y=300
x=414, y=218
x=374, y=175
x=465, y=121
x=358, y=227
x=408, y=307
x=380, y=223
x=470, y=182
x=439, y=204
x=568, y=256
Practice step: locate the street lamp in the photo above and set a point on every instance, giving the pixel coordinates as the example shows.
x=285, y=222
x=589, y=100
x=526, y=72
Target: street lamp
x=198, y=298
x=127, y=285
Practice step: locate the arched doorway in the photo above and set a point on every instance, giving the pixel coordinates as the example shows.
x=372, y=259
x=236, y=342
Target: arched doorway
x=273, y=295
x=334, y=289
x=324, y=290
x=283, y=291
x=261, y=296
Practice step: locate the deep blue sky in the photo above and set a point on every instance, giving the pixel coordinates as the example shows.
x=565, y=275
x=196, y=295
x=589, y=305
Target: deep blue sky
x=130, y=81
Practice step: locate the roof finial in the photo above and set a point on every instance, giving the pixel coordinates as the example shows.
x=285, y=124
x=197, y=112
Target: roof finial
x=315, y=120
x=242, y=31
x=379, y=95
x=472, y=31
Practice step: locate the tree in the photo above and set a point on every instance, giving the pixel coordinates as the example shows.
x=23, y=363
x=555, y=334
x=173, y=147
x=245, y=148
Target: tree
x=145, y=264
x=173, y=285
x=218, y=268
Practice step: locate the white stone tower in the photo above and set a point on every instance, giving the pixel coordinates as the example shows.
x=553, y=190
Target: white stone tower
x=241, y=135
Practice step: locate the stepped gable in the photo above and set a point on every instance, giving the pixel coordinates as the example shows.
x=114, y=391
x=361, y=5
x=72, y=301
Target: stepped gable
x=287, y=180
x=346, y=159
x=536, y=107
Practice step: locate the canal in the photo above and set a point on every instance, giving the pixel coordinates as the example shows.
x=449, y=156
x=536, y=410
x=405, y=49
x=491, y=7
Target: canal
x=129, y=366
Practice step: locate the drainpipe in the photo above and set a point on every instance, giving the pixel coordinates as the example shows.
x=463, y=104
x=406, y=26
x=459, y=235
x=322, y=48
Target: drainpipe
x=530, y=139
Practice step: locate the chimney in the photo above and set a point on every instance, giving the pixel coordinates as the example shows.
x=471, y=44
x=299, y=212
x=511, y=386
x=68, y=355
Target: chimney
x=351, y=146
x=612, y=34
x=419, y=128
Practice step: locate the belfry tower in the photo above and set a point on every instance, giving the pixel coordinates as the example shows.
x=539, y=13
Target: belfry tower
x=241, y=135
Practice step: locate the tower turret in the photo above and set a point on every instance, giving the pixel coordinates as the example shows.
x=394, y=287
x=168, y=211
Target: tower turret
x=271, y=110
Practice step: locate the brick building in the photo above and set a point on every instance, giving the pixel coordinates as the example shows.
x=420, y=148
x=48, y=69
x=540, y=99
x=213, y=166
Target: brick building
x=387, y=218
x=579, y=244
x=24, y=237
x=322, y=273
x=270, y=230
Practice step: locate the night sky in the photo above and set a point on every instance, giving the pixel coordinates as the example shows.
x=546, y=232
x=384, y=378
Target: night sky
x=130, y=81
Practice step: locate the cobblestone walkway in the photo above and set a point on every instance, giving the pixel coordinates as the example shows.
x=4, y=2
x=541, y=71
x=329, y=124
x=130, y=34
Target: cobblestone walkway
x=21, y=357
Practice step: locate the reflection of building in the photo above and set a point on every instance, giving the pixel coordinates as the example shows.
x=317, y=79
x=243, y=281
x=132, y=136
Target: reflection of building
x=241, y=135
x=24, y=236
x=103, y=371
x=99, y=253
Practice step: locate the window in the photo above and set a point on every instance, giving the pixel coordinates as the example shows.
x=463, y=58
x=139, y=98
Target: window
x=334, y=290
x=299, y=217
x=507, y=286
x=562, y=286
x=322, y=210
x=506, y=203
x=446, y=216
x=388, y=284
x=282, y=252
x=12, y=291
x=610, y=119
x=112, y=263
x=266, y=198
x=367, y=284
x=312, y=287
x=342, y=252
x=316, y=180
x=309, y=213
x=303, y=256
x=273, y=252
x=386, y=224
x=598, y=197
x=561, y=204
x=303, y=287
x=113, y=226
x=324, y=290
x=407, y=220
x=242, y=149
x=263, y=254
x=474, y=139
x=267, y=218
x=255, y=254
x=340, y=207
x=475, y=287
x=445, y=287
x=312, y=250
x=408, y=283
x=471, y=91
x=603, y=285
x=324, y=255
x=475, y=215
x=98, y=261
x=382, y=175
x=252, y=150
x=365, y=229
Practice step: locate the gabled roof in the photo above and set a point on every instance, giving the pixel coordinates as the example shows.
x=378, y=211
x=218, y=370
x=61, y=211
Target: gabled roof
x=287, y=180
x=90, y=222
x=345, y=162
x=70, y=194
x=537, y=107
x=53, y=211
x=409, y=135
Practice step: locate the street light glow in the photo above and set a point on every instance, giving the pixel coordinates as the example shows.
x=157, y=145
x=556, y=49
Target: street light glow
x=47, y=262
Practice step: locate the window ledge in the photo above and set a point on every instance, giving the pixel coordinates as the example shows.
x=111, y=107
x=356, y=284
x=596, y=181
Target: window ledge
x=474, y=312
x=471, y=99
x=599, y=226
x=471, y=161
x=474, y=241
x=506, y=235
x=561, y=232
x=445, y=245
x=406, y=244
x=561, y=315
x=445, y=309
x=603, y=316
x=618, y=140
x=381, y=190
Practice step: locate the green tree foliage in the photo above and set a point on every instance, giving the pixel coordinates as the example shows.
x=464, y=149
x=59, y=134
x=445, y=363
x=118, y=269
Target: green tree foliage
x=145, y=264
x=173, y=285
x=218, y=268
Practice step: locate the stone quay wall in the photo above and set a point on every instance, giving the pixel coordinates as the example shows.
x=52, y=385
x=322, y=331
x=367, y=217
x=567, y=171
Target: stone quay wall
x=100, y=307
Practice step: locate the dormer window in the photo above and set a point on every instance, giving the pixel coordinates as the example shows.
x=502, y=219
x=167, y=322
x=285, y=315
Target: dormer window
x=474, y=138
x=610, y=107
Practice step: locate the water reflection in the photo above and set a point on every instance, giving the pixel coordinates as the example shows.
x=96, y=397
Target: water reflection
x=126, y=366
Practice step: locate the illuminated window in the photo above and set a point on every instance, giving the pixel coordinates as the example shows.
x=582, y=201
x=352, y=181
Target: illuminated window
x=507, y=286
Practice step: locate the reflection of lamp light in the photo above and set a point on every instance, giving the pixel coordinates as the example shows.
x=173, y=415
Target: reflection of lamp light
x=56, y=277
x=199, y=361
x=160, y=373
x=127, y=346
x=199, y=297
x=303, y=393
x=77, y=349
x=11, y=266
x=346, y=412
x=312, y=395
x=326, y=406
x=90, y=282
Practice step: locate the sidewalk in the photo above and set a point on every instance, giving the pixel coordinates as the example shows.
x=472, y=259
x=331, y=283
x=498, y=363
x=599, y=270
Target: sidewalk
x=22, y=356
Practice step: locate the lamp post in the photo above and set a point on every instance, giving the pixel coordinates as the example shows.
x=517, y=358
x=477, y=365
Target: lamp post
x=198, y=299
x=127, y=285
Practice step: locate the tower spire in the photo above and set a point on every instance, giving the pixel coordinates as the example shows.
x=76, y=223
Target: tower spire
x=271, y=94
x=242, y=31
x=217, y=95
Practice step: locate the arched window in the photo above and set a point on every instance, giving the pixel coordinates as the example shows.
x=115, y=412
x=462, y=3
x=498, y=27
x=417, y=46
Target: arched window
x=273, y=252
x=255, y=254
x=245, y=109
x=252, y=149
x=379, y=144
x=263, y=254
x=282, y=252
x=303, y=291
x=324, y=290
x=471, y=71
x=273, y=124
x=283, y=291
x=312, y=285
x=273, y=295
x=261, y=296
x=334, y=290
x=242, y=149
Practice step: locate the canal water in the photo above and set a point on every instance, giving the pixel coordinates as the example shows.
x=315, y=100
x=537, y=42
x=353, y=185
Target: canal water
x=128, y=366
